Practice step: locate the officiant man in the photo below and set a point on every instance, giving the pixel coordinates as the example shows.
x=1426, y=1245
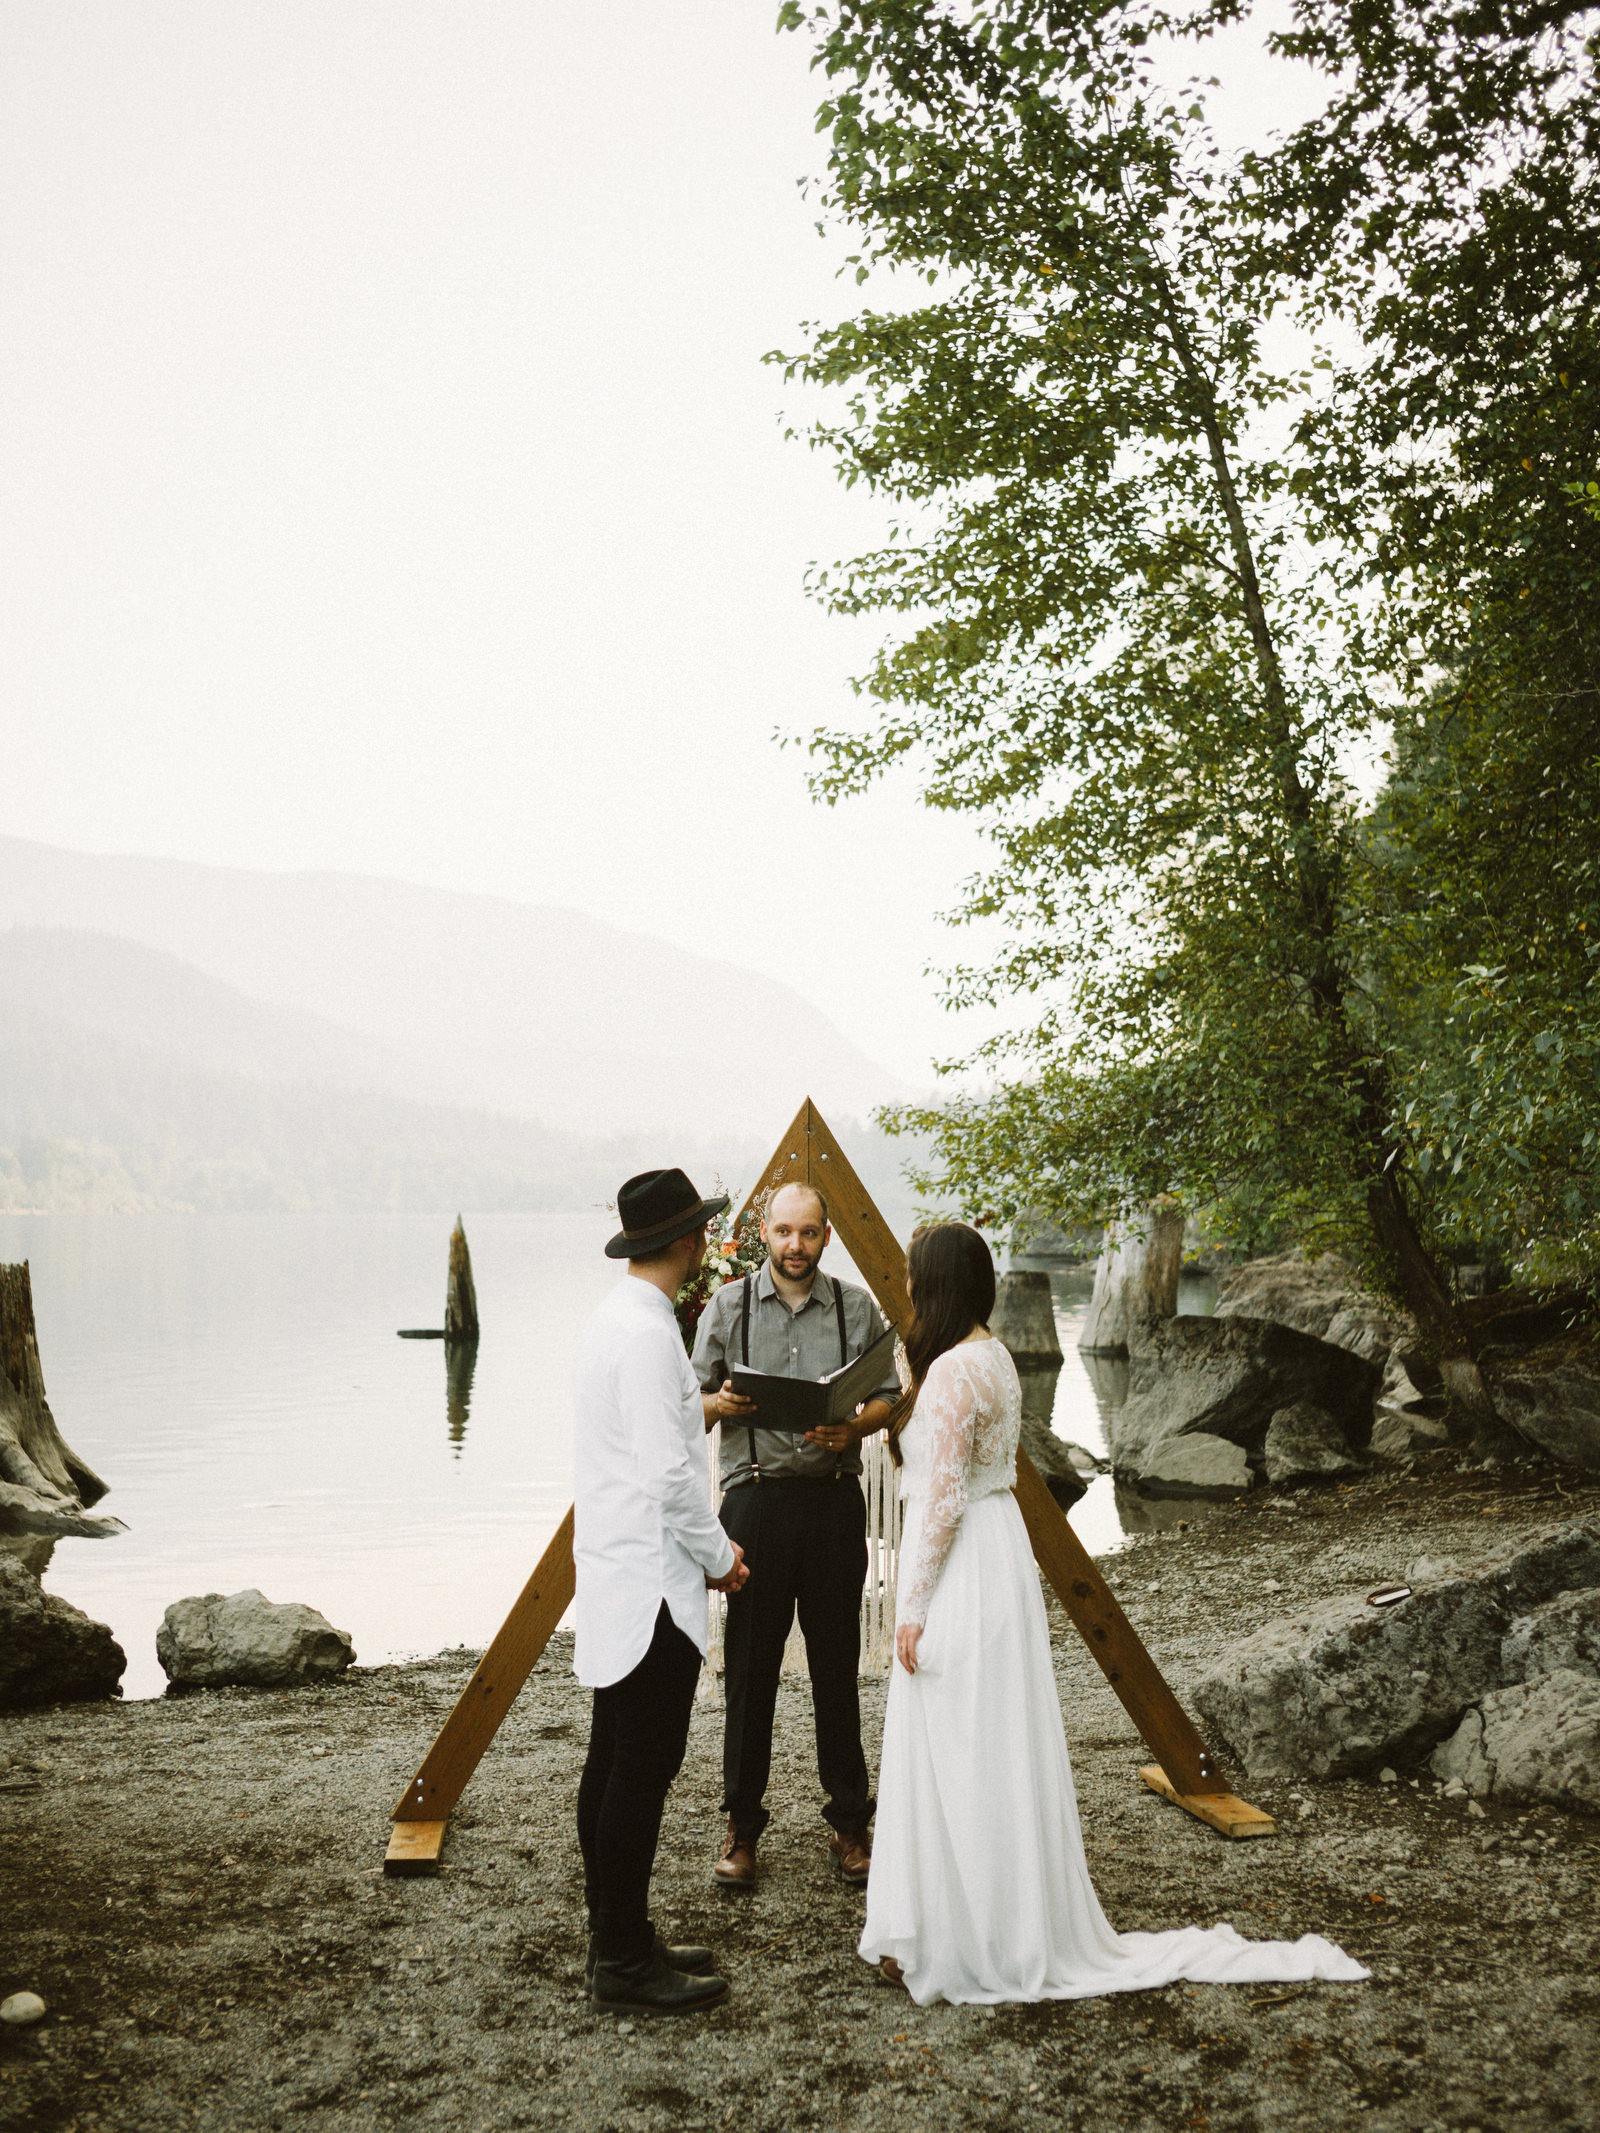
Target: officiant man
x=796, y=1507
x=646, y=1545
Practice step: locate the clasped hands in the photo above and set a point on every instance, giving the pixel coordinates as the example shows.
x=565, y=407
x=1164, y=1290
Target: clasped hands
x=736, y=1577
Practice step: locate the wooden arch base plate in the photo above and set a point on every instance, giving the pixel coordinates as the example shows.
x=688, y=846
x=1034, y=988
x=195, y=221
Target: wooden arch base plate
x=1228, y=1816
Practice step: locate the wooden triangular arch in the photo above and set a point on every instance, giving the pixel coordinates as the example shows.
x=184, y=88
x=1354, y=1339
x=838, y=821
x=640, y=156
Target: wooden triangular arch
x=1183, y=1771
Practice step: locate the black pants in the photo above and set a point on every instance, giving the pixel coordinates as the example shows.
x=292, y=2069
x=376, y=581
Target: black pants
x=637, y=1736
x=806, y=1544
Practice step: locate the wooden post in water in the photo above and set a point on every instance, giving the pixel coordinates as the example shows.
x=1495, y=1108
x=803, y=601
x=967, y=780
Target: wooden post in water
x=461, y=1298
x=45, y=1488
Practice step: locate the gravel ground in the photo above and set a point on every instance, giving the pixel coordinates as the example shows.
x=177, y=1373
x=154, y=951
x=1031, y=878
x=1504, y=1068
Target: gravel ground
x=193, y=1886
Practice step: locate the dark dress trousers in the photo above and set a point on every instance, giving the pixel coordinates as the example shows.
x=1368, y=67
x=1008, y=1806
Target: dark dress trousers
x=637, y=1739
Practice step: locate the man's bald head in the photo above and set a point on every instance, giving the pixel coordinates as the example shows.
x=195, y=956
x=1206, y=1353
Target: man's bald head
x=794, y=1192
x=794, y=1230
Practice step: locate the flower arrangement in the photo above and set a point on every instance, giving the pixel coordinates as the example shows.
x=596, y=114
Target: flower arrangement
x=730, y=1254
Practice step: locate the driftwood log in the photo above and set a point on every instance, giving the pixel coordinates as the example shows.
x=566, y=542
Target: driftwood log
x=45, y=1488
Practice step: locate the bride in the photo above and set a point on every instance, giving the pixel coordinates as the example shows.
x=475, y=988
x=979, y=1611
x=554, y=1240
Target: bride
x=979, y=1889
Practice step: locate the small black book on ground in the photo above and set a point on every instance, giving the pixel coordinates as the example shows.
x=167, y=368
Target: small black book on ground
x=798, y=1404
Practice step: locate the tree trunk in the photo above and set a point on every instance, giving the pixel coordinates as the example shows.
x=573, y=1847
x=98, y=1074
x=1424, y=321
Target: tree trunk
x=461, y=1298
x=44, y=1487
x=1427, y=1297
x=1135, y=1278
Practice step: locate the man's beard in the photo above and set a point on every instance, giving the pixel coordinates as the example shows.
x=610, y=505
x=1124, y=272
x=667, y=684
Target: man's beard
x=781, y=1261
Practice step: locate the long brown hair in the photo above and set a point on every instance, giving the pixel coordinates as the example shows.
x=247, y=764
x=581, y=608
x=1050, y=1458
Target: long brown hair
x=950, y=1270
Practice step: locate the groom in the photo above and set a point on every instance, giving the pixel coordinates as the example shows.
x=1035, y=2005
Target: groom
x=796, y=1508
x=646, y=1544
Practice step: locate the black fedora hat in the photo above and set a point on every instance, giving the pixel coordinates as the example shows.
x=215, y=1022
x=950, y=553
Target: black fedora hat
x=657, y=1208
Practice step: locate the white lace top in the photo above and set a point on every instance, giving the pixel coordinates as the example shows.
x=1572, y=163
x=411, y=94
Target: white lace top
x=960, y=1443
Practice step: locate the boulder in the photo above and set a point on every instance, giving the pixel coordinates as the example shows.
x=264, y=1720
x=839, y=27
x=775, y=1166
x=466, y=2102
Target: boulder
x=247, y=1641
x=1403, y=1436
x=1195, y=1465
x=1304, y=1443
x=1024, y=1317
x=1054, y=1460
x=1559, y=1559
x=1135, y=1277
x=1405, y=1420
x=1553, y=1399
x=1288, y=1290
x=1323, y=1297
x=1535, y=1740
x=1349, y=1687
x=50, y=1651
x=1228, y=1377
x=1562, y=1636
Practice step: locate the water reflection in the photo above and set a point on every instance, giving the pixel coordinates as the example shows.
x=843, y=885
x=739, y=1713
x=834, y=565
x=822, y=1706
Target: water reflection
x=460, y=1360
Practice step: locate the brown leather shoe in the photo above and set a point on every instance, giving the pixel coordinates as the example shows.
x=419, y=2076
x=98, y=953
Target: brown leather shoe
x=851, y=1850
x=736, y=1869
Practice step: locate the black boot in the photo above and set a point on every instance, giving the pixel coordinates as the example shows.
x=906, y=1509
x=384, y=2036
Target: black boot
x=651, y=1986
x=687, y=1956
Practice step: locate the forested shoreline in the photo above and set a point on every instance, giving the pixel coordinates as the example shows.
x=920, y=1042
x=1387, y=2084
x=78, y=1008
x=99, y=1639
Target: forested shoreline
x=1246, y=584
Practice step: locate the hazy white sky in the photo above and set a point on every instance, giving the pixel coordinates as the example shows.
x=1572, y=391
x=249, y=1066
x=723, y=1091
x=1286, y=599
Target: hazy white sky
x=392, y=482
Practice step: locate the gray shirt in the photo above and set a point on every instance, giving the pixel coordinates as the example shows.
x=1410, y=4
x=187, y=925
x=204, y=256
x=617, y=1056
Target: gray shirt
x=790, y=1344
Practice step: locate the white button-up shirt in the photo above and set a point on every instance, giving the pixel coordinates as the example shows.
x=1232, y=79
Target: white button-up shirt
x=644, y=1528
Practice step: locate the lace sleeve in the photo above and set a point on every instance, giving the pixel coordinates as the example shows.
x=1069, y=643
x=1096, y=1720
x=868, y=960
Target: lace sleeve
x=948, y=1407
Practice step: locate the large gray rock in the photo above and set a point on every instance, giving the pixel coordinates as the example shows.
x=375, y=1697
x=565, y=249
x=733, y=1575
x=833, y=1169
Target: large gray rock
x=247, y=1641
x=1322, y=1297
x=1304, y=1443
x=1228, y=1377
x=1195, y=1465
x=1554, y=1402
x=1535, y=1740
x=1559, y=1559
x=1056, y=1466
x=1406, y=1420
x=50, y=1651
x=1563, y=1636
x=1349, y=1686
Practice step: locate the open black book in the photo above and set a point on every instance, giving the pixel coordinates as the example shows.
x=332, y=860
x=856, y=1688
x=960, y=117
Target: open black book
x=798, y=1404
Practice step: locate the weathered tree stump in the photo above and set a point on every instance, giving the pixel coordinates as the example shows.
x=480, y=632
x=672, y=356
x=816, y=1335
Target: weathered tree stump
x=45, y=1488
x=461, y=1298
x=1136, y=1277
x=1024, y=1317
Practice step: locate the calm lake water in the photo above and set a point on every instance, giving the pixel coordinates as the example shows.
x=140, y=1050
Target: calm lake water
x=237, y=1381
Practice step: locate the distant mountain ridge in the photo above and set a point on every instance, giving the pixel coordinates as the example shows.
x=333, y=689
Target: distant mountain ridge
x=440, y=998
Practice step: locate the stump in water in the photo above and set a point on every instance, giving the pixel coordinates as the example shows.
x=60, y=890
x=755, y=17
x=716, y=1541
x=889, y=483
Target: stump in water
x=1136, y=1278
x=461, y=1298
x=44, y=1487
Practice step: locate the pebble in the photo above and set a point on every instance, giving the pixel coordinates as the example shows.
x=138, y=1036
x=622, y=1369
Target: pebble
x=21, y=2008
x=1386, y=1776
x=624, y=2029
x=1272, y=1585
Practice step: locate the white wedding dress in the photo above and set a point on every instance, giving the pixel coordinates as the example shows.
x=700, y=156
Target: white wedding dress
x=980, y=1889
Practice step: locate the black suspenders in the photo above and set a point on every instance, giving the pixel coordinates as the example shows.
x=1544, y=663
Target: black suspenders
x=744, y=1357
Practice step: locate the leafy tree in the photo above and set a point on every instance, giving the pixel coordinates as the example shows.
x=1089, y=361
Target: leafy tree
x=1147, y=585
